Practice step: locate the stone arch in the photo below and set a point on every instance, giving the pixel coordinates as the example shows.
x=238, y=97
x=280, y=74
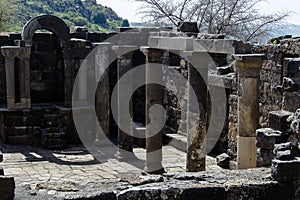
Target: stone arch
x=47, y=22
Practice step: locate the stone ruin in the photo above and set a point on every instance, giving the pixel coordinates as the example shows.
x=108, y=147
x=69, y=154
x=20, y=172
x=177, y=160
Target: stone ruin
x=260, y=85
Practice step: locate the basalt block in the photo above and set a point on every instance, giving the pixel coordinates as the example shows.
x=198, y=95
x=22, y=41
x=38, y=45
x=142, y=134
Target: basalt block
x=283, y=171
x=278, y=120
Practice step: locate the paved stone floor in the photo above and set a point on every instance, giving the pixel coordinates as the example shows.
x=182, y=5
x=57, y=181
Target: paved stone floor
x=74, y=173
x=36, y=165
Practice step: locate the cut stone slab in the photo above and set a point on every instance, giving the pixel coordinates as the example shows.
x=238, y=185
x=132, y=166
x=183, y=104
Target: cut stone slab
x=278, y=120
x=283, y=171
x=176, y=43
x=222, y=46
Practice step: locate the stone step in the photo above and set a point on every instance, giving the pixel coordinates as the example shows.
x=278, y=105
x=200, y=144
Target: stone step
x=18, y=131
x=53, y=139
x=20, y=140
x=177, y=141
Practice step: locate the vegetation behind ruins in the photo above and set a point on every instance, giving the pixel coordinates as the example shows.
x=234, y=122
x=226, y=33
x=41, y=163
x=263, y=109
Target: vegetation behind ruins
x=74, y=12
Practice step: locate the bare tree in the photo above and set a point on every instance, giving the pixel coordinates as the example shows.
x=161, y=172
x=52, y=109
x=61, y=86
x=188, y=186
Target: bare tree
x=239, y=19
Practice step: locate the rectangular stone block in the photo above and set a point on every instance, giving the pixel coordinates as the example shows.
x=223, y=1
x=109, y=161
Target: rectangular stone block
x=222, y=46
x=7, y=187
x=277, y=120
x=246, y=152
x=291, y=66
x=178, y=43
x=283, y=171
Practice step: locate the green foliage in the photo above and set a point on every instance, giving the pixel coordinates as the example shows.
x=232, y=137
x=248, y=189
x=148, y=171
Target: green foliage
x=7, y=8
x=99, y=18
x=80, y=21
x=125, y=23
x=74, y=12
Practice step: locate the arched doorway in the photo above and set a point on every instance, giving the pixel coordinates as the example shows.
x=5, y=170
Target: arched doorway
x=49, y=59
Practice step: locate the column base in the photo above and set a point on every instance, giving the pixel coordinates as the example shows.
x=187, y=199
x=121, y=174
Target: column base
x=196, y=165
x=246, y=152
x=157, y=170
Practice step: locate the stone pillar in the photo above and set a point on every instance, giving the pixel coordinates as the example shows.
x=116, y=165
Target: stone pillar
x=82, y=93
x=23, y=54
x=154, y=96
x=102, y=61
x=25, y=78
x=10, y=81
x=69, y=72
x=248, y=68
x=125, y=140
x=197, y=122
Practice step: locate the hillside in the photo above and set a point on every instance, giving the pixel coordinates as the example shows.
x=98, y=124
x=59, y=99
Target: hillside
x=74, y=12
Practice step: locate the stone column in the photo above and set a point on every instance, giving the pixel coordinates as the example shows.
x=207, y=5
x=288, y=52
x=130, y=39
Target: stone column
x=197, y=110
x=154, y=96
x=248, y=68
x=25, y=78
x=82, y=93
x=69, y=72
x=125, y=140
x=103, y=60
x=9, y=54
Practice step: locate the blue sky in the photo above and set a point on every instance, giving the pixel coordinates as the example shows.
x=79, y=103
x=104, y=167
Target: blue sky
x=128, y=8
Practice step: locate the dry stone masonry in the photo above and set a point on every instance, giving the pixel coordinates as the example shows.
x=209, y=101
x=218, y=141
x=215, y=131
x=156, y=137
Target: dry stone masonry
x=224, y=97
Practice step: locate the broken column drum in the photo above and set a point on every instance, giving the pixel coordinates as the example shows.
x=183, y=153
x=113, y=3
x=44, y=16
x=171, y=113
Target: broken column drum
x=197, y=111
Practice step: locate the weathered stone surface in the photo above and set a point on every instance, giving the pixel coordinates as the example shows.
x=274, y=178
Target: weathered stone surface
x=278, y=120
x=282, y=147
x=284, y=155
x=7, y=187
x=294, y=121
x=286, y=170
x=223, y=160
x=184, y=44
x=291, y=66
x=264, y=158
x=141, y=180
x=99, y=196
x=266, y=138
